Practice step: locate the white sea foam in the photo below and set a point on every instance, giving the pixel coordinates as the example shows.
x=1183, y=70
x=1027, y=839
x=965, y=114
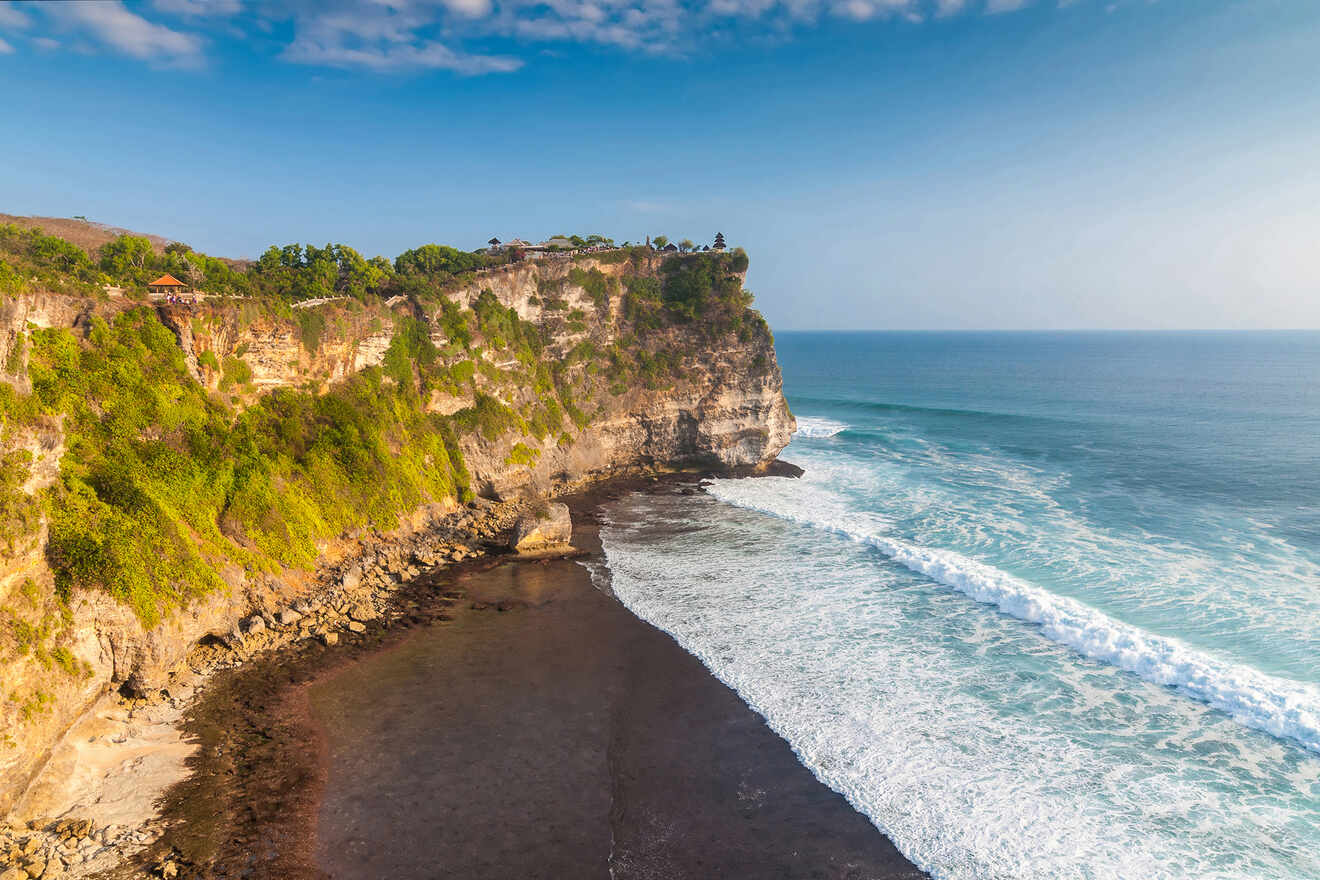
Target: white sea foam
x=1278, y=706
x=818, y=428
x=982, y=750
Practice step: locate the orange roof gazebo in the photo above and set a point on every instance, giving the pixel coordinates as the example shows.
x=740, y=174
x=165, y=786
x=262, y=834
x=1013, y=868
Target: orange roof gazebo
x=167, y=283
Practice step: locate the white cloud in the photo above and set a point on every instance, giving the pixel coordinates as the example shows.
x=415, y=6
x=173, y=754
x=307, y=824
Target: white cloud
x=45, y=43
x=5, y=48
x=864, y=10
x=469, y=8
x=113, y=24
x=199, y=8
x=389, y=36
x=455, y=35
x=12, y=17
x=399, y=56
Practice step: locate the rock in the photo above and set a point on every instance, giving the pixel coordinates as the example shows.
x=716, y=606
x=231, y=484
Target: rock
x=35, y=866
x=14, y=874
x=352, y=578
x=254, y=624
x=354, y=626
x=540, y=529
x=329, y=639
x=781, y=468
x=288, y=616
x=362, y=612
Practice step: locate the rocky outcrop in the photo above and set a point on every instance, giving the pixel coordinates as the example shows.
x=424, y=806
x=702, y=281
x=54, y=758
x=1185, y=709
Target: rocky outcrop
x=539, y=529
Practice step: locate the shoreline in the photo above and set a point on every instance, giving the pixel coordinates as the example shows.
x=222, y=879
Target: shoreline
x=254, y=799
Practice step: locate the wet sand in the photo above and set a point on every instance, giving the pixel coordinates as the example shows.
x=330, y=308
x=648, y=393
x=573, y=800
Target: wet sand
x=515, y=722
x=563, y=737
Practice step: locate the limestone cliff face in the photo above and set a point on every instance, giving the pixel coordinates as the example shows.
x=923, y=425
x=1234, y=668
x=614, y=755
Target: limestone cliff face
x=724, y=408
x=719, y=404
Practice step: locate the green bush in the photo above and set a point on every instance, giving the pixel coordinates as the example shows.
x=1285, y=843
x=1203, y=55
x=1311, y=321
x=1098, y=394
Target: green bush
x=311, y=324
x=208, y=359
x=487, y=417
x=522, y=454
x=236, y=372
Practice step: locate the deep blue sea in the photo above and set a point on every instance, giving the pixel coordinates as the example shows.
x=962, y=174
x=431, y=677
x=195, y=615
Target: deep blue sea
x=1044, y=605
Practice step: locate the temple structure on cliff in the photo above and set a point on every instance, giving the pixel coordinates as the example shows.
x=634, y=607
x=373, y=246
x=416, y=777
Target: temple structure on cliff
x=167, y=285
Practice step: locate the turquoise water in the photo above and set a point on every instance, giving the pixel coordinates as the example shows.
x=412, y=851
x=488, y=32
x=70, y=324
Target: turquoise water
x=1043, y=605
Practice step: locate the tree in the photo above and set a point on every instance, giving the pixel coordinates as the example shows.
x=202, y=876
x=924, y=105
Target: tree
x=685, y=245
x=434, y=259
x=660, y=241
x=126, y=257
x=719, y=241
x=192, y=273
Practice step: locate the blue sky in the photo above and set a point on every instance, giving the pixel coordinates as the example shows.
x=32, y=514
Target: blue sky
x=886, y=163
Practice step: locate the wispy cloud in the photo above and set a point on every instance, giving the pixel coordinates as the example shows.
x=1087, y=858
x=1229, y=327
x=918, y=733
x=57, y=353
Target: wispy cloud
x=393, y=35
x=399, y=56
x=12, y=17
x=199, y=8
x=389, y=36
x=5, y=48
x=112, y=24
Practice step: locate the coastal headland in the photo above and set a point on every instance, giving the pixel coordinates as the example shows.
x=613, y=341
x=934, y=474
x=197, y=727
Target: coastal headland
x=220, y=489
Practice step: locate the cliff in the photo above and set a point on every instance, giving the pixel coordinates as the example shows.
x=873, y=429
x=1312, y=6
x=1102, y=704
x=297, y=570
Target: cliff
x=168, y=469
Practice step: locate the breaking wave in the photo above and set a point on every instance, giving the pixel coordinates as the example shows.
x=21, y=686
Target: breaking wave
x=1278, y=706
x=816, y=428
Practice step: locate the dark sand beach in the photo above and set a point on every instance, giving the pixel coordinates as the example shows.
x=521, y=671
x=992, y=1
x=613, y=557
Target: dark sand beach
x=533, y=728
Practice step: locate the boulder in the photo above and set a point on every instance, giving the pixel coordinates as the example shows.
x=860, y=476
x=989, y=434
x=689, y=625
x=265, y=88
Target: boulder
x=287, y=616
x=352, y=578
x=548, y=527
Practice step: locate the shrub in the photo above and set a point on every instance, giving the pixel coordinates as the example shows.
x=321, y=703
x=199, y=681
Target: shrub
x=522, y=454
x=208, y=359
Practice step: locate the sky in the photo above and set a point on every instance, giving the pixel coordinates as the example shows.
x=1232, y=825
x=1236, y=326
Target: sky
x=887, y=164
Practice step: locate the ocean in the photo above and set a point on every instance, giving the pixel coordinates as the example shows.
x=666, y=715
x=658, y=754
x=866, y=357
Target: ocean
x=1043, y=605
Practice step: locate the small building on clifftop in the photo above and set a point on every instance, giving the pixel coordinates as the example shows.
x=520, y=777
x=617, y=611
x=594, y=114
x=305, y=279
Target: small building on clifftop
x=166, y=285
